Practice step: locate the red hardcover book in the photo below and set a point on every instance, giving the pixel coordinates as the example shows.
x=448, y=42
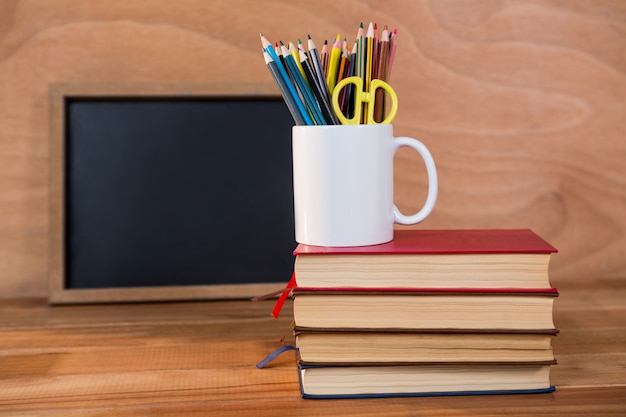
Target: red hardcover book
x=422, y=259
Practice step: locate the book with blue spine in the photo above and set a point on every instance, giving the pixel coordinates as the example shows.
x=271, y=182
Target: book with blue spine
x=325, y=382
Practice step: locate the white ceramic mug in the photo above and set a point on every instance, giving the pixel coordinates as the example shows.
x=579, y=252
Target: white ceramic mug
x=343, y=184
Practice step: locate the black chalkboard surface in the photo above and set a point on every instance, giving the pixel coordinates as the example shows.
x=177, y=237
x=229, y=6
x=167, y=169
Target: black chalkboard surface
x=170, y=191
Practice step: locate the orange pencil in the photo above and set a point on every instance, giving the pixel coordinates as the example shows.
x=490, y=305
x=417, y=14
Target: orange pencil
x=343, y=64
x=375, y=51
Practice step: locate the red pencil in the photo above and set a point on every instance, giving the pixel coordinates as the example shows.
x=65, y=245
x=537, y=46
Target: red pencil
x=392, y=51
x=379, y=102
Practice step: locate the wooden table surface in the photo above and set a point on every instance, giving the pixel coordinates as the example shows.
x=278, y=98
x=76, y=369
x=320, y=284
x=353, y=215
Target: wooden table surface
x=198, y=358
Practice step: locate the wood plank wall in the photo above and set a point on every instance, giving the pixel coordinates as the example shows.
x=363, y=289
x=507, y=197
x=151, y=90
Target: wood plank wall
x=522, y=104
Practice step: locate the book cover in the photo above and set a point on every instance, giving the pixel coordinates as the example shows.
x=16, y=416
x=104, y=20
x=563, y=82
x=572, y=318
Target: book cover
x=298, y=290
x=445, y=241
x=430, y=259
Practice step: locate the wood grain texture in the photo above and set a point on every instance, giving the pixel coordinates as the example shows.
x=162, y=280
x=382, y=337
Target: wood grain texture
x=198, y=358
x=520, y=102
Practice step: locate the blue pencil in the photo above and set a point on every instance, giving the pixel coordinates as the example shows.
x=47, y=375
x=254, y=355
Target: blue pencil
x=303, y=86
x=289, y=100
x=267, y=47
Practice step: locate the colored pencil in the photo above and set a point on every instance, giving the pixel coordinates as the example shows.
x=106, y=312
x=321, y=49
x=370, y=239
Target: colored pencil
x=360, y=40
x=307, y=76
x=392, y=51
x=368, y=53
x=296, y=56
x=379, y=102
x=282, y=85
x=375, y=52
x=304, y=88
x=347, y=104
x=318, y=91
x=349, y=66
x=383, y=43
x=317, y=67
x=267, y=46
x=333, y=64
x=361, y=59
x=324, y=58
x=279, y=54
x=343, y=64
x=301, y=47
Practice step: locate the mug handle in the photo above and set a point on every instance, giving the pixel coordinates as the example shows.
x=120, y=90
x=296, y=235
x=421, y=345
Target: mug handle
x=433, y=185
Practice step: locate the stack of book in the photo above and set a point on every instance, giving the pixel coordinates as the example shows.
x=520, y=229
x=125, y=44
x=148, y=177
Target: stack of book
x=433, y=312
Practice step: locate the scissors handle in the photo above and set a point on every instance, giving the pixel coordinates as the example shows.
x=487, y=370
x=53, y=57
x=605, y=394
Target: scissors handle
x=357, y=85
x=393, y=100
x=367, y=97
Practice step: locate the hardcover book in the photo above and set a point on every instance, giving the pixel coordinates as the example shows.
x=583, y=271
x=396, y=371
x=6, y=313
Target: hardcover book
x=366, y=346
x=320, y=382
x=497, y=258
x=433, y=312
x=504, y=310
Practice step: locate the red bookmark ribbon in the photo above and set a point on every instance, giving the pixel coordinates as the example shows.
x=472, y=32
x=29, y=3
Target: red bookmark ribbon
x=283, y=297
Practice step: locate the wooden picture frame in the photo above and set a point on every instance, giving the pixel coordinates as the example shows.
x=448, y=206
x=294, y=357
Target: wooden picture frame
x=60, y=291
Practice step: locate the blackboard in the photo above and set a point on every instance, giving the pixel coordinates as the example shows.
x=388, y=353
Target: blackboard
x=179, y=194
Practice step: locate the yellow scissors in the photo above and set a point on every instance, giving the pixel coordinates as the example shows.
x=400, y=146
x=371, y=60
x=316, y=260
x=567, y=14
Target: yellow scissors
x=364, y=97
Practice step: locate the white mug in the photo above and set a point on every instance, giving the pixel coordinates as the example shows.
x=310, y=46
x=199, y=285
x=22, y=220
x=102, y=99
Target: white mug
x=343, y=184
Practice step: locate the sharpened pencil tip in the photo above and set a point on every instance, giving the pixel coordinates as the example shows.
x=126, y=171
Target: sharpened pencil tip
x=264, y=41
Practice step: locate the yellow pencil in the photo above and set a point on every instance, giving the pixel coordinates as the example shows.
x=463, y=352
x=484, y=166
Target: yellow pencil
x=333, y=65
